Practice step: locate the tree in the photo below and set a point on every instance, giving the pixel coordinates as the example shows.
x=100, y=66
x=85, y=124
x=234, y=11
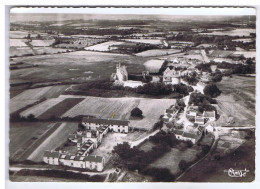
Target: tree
x=136, y=112
x=212, y=90
x=183, y=165
x=81, y=126
x=31, y=118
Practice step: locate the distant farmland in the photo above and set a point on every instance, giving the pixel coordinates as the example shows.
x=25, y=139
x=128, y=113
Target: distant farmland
x=158, y=52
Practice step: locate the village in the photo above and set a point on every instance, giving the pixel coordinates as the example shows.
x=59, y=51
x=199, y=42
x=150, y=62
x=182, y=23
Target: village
x=131, y=100
x=93, y=130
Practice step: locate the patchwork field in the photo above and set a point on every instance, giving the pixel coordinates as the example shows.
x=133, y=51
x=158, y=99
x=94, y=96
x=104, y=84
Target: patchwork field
x=55, y=139
x=103, y=46
x=22, y=135
x=247, y=54
x=60, y=108
x=20, y=34
x=158, y=52
x=18, y=43
x=235, y=32
x=27, y=51
x=42, y=43
x=31, y=96
x=104, y=107
x=76, y=66
x=16, y=105
x=39, y=93
x=148, y=41
x=39, y=109
x=237, y=100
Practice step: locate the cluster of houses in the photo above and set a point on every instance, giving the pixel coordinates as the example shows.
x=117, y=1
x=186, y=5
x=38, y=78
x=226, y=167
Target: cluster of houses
x=87, y=139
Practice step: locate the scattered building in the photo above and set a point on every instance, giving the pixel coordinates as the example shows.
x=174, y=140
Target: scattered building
x=200, y=120
x=85, y=162
x=210, y=115
x=121, y=126
x=171, y=76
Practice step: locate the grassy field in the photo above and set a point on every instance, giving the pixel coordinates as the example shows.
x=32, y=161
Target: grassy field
x=43, y=92
x=103, y=46
x=15, y=105
x=79, y=66
x=21, y=135
x=148, y=41
x=18, y=43
x=151, y=112
x=236, y=32
x=146, y=146
x=41, y=108
x=59, y=109
x=104, y=107
x=237, y=100
x=171, y=159
x=42, y=43
x=158, y=52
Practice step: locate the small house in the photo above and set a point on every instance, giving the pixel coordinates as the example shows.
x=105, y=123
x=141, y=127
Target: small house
x=200, y=120
x=210, y=115
x=51, y=158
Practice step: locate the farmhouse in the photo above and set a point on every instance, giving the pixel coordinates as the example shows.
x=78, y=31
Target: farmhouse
x=171, y=76
x=85, y=162
x=187, y=136
x=121, y=126
x=210, y=115
x=121, y=78
x=51, y=158
x=192, y=111
x=200, y=120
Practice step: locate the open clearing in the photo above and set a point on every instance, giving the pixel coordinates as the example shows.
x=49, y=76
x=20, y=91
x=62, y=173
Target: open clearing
x=171, y=159
x=158, y=52
x=237, y=100
x=16, y=105
x=103, y=46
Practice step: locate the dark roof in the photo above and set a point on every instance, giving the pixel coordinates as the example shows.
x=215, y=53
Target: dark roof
x=51, y=154
x=97, y=159
x=169, y=111
x=106, y=121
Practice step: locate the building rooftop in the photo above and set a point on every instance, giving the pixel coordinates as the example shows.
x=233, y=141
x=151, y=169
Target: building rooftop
x=209, y=114
x=49, y=154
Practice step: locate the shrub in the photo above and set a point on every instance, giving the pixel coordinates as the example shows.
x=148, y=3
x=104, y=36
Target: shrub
x=136, y=112
x=183, y=165
x=212, y=90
